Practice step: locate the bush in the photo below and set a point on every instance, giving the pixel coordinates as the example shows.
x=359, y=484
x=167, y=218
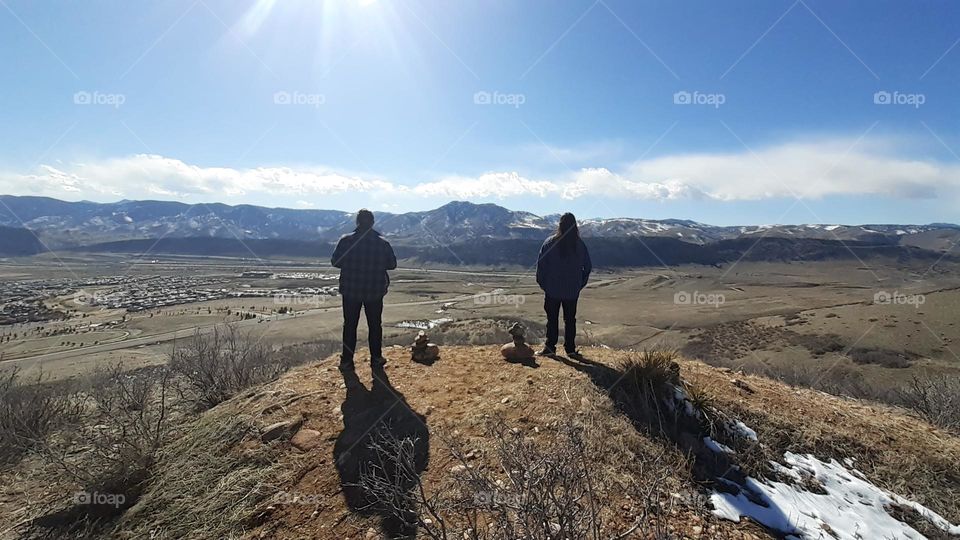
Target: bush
x=112, y=450
x=936, y=398
x=217, y=365
x=30, y=412
x=645, y=383
x=540, y=491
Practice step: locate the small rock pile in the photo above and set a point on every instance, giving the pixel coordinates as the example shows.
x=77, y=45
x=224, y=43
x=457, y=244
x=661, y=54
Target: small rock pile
x=518, y=350
x=423, y=351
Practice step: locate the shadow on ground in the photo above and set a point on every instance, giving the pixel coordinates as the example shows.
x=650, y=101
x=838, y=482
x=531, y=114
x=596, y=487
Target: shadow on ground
x=381, y=452
x=648, y=410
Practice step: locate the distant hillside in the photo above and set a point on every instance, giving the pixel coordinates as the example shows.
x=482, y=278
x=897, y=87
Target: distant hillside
x=605, y=252
x=18, y=242
x=71, y=224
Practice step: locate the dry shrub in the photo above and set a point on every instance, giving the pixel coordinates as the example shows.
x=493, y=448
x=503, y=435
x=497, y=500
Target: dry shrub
x=645, y=389
x=936, y=397
x=651, y=373
x=208, y=483
x=111, y=451
x=30, y=411
x=218, y=364
x=839, y=380
x=550, y=489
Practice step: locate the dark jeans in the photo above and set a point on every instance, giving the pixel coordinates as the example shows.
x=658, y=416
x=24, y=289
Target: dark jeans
x=552, y=307
x=351, y=318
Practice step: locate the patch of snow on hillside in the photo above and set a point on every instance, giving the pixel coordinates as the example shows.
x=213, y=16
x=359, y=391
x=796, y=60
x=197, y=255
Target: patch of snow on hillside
x=742, y=430
x=832, y=227
x=716, y=447
x=850, y=507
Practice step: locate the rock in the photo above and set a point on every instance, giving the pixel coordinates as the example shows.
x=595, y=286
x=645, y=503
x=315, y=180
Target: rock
x=518, y=350
x=423, y=351
x=306, y=439
x=283, y=429
x=511, y=351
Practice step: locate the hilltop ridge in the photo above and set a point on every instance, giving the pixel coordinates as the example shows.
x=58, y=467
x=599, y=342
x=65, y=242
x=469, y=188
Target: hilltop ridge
x=895, y=470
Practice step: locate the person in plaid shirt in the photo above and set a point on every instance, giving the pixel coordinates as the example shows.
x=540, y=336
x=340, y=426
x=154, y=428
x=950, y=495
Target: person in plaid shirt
x=363, y=258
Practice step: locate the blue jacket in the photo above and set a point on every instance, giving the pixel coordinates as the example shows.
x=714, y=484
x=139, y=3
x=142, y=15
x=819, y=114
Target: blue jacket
x=560, y=276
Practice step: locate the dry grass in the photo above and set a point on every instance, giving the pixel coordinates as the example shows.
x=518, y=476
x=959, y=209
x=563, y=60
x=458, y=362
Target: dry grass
x=209, y=483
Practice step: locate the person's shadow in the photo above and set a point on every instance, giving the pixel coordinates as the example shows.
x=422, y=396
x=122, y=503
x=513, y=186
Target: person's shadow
x=381, y=452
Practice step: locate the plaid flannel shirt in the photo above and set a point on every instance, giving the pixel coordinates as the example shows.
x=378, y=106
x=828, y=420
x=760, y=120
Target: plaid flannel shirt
x=363, y=258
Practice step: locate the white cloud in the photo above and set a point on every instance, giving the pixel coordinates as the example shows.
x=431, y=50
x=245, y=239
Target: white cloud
x=804, y=169
x=494, y=184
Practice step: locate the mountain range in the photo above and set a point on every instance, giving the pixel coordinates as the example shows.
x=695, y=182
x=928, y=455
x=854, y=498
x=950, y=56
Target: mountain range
x=128, y=226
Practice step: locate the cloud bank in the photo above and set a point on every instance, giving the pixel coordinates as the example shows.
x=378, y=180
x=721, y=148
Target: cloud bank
x=807, y=170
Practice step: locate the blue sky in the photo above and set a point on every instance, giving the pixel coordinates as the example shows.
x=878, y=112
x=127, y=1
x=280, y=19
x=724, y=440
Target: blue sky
x=725, y=113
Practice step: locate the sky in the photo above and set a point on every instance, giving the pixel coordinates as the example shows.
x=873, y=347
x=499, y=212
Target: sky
x=743, y=112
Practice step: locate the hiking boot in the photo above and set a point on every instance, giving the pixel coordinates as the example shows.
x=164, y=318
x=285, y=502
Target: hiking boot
x=575, y=354
x=346, y=364
x=378, y=362
x=547, y=351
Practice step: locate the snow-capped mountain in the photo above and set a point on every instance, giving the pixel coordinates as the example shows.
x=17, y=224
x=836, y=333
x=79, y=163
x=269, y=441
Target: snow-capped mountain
x=64, y=224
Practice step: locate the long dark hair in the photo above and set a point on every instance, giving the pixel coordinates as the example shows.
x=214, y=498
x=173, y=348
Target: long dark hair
x=568, y=234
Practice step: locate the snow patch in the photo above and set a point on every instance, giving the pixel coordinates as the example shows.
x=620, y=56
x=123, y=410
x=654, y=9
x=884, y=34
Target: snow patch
x=743, y=430
x=850, y=507
x=718, y=448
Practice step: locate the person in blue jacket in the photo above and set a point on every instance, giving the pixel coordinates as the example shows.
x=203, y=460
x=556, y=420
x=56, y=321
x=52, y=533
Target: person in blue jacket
x=563, y=269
